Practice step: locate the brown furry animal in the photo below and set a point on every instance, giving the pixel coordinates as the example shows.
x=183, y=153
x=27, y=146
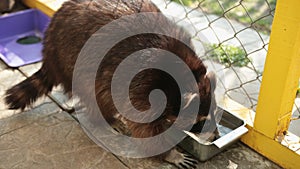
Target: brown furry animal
x=73, y=24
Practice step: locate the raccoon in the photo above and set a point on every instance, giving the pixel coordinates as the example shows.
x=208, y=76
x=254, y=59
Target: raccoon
x=70, y=28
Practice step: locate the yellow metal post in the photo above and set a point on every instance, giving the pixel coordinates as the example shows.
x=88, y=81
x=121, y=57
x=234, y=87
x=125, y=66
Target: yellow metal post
x=281, y=74
x=278, y=88
x=49, y=7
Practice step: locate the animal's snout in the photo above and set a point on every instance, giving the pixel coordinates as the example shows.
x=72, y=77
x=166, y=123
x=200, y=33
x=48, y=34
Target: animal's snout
x=198, y=126
x=207, y=128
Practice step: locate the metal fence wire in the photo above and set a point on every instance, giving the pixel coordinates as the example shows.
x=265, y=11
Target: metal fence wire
x=231, y=37
x=295, y=119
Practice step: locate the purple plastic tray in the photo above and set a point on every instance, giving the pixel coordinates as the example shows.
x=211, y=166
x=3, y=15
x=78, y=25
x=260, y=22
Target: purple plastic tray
x=31, y=22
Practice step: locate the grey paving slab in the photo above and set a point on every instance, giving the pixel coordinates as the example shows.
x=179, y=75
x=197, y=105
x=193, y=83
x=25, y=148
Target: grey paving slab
x=55, y=141
x=149, y=163
x=30, y=69
x=25, y=118
x=240, y=156
x=237, y=156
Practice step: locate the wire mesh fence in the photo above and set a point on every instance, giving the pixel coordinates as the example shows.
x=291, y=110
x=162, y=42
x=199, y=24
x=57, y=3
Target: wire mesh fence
x=295, y=120
x=231, y=37
x=292, y=140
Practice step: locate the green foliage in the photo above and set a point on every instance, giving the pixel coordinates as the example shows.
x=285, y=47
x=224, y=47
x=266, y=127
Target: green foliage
x=185, y=2
x=248, y=12
x=228, y=55
x=272, y=4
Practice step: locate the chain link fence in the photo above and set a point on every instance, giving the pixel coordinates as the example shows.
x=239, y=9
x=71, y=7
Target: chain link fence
x=295, y=120
x=292, y=140
x=231, y=37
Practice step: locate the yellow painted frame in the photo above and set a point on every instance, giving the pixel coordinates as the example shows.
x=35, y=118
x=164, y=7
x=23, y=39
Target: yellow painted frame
x=47, y=6
x=278, y=89
x=280, y=80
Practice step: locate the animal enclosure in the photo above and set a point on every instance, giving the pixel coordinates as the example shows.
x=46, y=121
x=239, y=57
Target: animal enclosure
x=257, y=70
x=256, y=63
x=253, y=47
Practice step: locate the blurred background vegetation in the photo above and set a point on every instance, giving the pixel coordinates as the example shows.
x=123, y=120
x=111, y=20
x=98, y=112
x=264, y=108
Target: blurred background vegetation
x=227, y=55
x=254, y=13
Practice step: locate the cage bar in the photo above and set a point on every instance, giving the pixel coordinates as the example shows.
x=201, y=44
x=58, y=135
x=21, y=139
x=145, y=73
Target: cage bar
x=278, y=88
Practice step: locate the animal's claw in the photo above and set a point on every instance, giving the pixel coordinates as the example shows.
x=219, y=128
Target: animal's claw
x=181, y=160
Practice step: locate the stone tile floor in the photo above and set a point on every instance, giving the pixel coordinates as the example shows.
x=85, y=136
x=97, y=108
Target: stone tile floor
x=46, y=136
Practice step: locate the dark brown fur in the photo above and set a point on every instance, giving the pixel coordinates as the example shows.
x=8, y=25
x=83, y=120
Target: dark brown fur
x=71, y=27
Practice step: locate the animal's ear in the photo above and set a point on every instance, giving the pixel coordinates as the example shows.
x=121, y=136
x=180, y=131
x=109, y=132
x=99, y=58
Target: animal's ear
x=188, y=98
x=213, y=81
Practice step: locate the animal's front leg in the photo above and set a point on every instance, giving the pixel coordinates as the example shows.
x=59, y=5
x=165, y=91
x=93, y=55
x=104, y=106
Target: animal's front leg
x=181, y=160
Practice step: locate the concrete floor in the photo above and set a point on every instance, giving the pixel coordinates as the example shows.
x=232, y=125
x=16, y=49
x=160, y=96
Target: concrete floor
x=46, y=136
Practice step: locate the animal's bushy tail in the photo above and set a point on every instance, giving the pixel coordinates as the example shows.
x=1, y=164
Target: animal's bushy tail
x=26, y=92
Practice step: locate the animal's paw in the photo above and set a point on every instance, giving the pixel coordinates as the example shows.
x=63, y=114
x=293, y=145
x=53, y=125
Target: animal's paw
x=181, y=160
x=187, y=162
